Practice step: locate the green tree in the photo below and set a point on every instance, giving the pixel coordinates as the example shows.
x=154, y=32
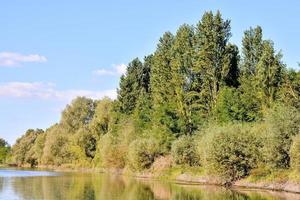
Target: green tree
x=143, y=109
x=252, y=49
x=231, y=71
x=212, y=35
x=162, y=87
x=131, y=85
x=102, y=117
x=181, y=71
x=269, y=74
x=57, y=146
x=4, y=150
x=78, y=114
x=22, y=150
x=290, y=89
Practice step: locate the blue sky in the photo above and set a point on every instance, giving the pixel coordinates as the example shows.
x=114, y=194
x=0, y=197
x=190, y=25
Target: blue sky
x=52, y=51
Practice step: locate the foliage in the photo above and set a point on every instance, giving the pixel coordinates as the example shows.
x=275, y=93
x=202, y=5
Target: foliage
x=230, y=151
x=295, y=154
x=237, y=105
x=4, y=151
x=113, y=146
x=196, y=97
x=57, y=148
x=21, y=150
x=78, y=114
x=283, y=123
x=184, y=151
x=142, y=153
x=102, y=117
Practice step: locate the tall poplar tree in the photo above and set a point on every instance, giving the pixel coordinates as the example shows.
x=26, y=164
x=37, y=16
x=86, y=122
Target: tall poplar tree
x=252, y=50
x=212, y=35
x=182, y=64
x=269, y=73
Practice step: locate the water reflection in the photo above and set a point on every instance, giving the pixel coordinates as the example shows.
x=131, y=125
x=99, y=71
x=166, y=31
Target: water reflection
x=101, y=186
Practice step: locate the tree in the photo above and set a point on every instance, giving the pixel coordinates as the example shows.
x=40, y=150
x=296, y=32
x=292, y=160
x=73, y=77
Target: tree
x=102, y=117
x=143, y=108
x=78, y=114
x=22, y=150
x=4, y=150
x=162, y=87
x=132, y=84
x=181, y=71
x=231, y=70
x=290, y=89
x=212, y=35
x=269, y=73
x=252, y=49
x=57, y=146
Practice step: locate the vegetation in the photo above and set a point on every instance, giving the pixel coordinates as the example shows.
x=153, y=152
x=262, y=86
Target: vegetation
x=198, y=98
x=4, y=151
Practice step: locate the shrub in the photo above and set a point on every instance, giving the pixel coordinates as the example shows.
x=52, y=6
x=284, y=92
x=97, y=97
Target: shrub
x=295, y=154
x=230, y=151
x=184, y=151
x=282, y=124
x=112, y=151
x=162, y=136
x=142, y=153
x=113, y=146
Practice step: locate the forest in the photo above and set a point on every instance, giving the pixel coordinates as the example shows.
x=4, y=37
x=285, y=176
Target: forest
x=197, y=102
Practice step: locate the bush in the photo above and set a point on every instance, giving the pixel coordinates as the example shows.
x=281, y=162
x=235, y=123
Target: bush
x=230, y=151
x=142, y=153
x=184, y=151
x=162, y=136
x=112, y=151
x=113, y=146
x=282, y=124
x=295, y=154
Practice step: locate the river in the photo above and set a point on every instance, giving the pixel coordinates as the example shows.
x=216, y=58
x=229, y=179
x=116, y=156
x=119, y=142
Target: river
x=32, y=185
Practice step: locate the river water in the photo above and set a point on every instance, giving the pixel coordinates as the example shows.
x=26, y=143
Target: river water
x=32, y=185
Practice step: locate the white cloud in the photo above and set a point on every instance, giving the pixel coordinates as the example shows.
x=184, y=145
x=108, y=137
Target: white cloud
x=47, y=91
x=11, y=59
x=116, y=70
x=120, y=68
x=103, y=72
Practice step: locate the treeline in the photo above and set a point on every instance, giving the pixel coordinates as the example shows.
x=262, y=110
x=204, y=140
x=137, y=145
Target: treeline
x=198, y=99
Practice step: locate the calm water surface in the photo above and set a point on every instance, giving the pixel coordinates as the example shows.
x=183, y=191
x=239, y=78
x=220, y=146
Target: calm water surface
x=31, y=185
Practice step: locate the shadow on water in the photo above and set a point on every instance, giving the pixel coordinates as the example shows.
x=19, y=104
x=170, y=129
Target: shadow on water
x=88, y=186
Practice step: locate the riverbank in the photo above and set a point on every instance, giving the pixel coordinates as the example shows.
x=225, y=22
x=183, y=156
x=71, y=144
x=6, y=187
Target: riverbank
x=192, y=176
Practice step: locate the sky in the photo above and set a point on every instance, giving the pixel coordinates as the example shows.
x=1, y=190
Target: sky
x=53, y=51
